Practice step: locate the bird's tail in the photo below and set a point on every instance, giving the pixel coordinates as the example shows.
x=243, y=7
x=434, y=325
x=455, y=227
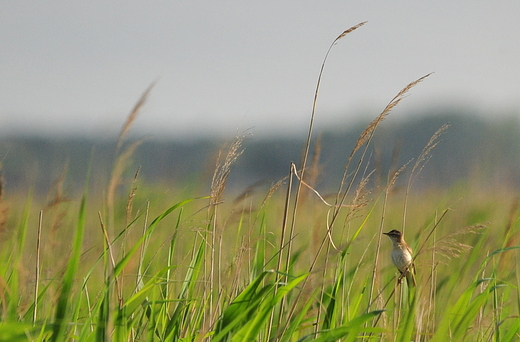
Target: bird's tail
x=410, y=276
x=410, y=279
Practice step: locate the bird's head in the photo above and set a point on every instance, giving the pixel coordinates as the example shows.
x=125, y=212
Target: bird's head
x=395, y=235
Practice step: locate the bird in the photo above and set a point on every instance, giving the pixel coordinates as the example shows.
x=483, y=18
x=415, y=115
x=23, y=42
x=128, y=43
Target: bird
x=402, y=256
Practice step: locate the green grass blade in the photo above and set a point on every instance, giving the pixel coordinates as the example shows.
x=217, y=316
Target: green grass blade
x=405, y=331
x=350, y=331
x=174, y=325
x=457, y=321
x=18, y=331
x=251, y=328
x=240, y=307
x=513, y=332
x=103, y=317
x=297, y=321
x=121, y=264
x=260, y=251
x=138, y=298
x=64, y=300
x=14, y=259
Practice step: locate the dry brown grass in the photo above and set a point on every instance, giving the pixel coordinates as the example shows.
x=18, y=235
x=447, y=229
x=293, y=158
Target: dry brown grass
x=4, y=208
x=223, y=169
x=122, y=158
x=449, y=246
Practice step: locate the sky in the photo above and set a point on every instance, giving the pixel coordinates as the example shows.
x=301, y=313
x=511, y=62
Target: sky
x=221, y=67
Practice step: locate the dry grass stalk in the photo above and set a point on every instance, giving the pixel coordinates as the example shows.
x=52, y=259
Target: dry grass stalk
x=58, y=189
x=309, y=138
x=131, y=195
x=448, y=246
x=283, y=245
x=421, y=162
x=139, y=284
x=368, y=132
x=222, y=170
x=315, y=169
x=365, y=138
x=375, y=268
x=293, y=166
x=248, y=192
x=129, y=210
x=122, y=158
x=4, y=209
x=55, y=214
x=218, y=185
x=434, y=228
x=315, y=101
x=112, y=260
x=425, y=154
x=133, y=115
x=117, y=173
x=37, y=268
x=360, y=199
x=348, y=31
x=397, y=173
x=272, y=190
x=309, y=135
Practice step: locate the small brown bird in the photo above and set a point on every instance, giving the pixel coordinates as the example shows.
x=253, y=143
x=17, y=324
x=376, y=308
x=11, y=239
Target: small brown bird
x=402, y=256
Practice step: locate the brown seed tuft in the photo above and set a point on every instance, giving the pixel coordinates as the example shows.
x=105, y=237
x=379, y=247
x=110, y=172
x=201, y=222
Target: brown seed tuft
x=349, y=30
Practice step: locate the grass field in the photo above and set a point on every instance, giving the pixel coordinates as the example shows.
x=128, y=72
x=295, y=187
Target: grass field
x=139, y=262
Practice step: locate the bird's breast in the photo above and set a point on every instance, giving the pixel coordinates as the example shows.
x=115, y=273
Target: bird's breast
x=401, y=258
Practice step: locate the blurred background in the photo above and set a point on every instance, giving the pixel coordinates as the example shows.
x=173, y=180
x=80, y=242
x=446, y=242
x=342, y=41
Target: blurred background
x=70, y=73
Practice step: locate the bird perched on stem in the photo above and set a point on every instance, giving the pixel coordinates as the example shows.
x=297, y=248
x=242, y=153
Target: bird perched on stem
x=402, y=257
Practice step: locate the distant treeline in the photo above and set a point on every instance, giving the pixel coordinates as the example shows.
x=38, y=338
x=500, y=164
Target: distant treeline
x=472, y=148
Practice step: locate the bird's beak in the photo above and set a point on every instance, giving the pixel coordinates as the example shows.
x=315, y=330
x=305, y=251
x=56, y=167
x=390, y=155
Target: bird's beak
x=386, y=233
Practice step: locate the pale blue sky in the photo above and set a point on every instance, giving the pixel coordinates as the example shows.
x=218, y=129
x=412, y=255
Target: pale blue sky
x=79, y=66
